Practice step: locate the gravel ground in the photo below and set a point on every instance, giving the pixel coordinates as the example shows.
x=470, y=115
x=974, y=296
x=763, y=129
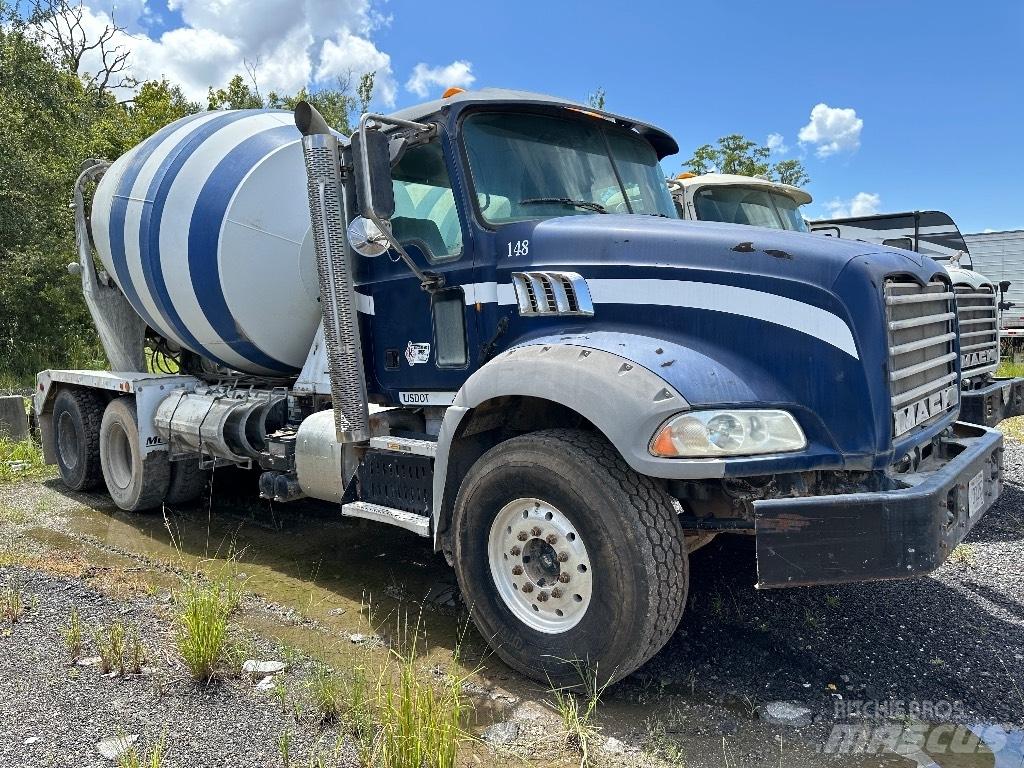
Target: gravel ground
x=55, y=712
x=955, y=636
x=954, y=639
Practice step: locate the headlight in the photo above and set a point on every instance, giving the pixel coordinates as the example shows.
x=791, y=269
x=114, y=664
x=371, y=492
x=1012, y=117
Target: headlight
x=704, y=434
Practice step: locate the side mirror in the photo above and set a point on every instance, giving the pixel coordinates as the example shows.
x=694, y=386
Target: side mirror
x=366, y=238
x=1004, y=286
x=371, y=154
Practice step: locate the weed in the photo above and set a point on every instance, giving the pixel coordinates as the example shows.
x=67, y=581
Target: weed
x=202, y=619
x=809, y=618
x=832, y=601
x=360, y=714
x=73, y=634
x=419, y=724
x=962, y=554
x=326, y=690
x=284, y=748
x=236, y=652
x=718, y=605
x=109, y=644
x=21, y=460
x=152, y=759
x=577, y=711
x=133, y=654
x=281, y=693
x=12, y=602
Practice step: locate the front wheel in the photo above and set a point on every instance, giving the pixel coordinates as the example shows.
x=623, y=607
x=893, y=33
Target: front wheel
x=568, y=558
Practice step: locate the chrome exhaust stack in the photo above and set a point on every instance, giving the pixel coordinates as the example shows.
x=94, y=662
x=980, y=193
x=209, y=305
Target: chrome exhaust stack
x=328, y=206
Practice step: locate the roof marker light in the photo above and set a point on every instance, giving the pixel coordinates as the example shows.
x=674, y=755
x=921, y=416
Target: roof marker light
x=453, y=91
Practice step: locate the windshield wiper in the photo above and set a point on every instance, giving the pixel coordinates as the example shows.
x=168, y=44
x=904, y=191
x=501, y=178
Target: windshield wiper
x=584, y=204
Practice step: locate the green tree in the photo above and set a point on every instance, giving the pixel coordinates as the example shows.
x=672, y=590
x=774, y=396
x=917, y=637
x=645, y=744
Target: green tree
x=338, y=104
x=737, y=154
x=597, y=98
x=237, y=95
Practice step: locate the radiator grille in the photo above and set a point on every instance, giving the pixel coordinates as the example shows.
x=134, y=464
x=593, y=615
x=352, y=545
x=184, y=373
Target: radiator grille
x=922, y=352
x=979, y=331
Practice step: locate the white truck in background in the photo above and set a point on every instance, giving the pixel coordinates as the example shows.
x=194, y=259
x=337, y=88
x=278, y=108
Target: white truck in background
x=739, y=199
x=985, y=398
x=1001, y=256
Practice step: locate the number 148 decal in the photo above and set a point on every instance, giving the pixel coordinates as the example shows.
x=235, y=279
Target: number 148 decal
x=518, y=248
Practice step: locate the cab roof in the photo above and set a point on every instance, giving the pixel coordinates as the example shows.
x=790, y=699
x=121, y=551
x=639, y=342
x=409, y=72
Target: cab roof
x=735, y=180
x=662, y=141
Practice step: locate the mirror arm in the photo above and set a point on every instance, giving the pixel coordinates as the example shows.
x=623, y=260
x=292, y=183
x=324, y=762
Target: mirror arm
x=429, y=281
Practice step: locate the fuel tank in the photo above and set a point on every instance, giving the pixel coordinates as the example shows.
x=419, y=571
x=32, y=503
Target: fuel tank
x=205, y=228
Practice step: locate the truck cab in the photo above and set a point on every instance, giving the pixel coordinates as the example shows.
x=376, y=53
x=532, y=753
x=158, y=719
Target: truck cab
x=572, y=389
x=739, y=199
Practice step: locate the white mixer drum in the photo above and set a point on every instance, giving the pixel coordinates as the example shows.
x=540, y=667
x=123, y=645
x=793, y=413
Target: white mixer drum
x=205, y=228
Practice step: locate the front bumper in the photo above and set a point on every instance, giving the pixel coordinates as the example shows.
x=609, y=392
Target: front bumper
x=989, y=405
x=888, y=534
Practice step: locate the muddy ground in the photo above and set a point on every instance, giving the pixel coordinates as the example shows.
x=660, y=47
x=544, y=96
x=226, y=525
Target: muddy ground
x=930, y=668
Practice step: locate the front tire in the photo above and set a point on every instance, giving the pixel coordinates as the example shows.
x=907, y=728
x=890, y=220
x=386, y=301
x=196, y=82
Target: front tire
x=135, y=484
x=568, y=558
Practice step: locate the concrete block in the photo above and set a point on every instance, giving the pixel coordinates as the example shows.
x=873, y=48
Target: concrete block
x=13, y=418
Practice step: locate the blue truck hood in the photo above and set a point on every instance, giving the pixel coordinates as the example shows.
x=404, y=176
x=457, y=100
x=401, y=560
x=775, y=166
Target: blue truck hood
x=732, y=314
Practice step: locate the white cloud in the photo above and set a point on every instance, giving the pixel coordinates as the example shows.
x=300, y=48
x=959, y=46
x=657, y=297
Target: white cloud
x=292, y=44
x=832, y=130
x=458, y=74
x=861, y=204
x=776, y=142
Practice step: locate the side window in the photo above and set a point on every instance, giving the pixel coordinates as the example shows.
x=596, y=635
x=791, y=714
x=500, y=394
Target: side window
x=425, y=212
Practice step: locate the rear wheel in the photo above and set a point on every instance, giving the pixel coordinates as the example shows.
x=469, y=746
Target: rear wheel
x=568, y=558
x=76, y=436
x=134, y=483
x=187, y=483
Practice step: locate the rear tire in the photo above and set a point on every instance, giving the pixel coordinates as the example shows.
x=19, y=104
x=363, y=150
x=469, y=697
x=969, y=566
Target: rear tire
x=76, y=438
x=596, y=564
x=187, y=482
x=133, y=483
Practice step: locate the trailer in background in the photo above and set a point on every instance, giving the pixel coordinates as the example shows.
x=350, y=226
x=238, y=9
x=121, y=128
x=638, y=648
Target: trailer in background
x=1000, y=255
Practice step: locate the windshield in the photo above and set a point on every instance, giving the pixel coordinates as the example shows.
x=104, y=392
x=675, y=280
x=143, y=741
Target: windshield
x=749, y=205
x=535, y=166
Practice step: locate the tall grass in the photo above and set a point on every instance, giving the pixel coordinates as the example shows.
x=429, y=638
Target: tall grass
x=417, y=720
x=72, y=634
x=577, y=708
x=203, y=608
x=21, y=460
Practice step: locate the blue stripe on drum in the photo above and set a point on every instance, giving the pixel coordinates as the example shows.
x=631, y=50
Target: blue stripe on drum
x=119, y=208
x=204, y=235
x=152, y=217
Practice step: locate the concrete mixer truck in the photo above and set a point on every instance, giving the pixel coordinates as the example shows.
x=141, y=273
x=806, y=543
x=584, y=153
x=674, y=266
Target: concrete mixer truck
x=571, y=389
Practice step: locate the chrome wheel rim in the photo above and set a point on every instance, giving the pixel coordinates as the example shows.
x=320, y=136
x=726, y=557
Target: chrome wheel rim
x=540, y=565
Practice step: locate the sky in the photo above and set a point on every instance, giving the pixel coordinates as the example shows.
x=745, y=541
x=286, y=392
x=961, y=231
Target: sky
x=891, y=105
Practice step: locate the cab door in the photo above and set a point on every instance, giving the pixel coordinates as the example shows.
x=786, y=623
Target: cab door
x=420, y=341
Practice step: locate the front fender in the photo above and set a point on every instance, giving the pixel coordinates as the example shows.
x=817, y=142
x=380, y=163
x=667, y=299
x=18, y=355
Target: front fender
x=624, y=400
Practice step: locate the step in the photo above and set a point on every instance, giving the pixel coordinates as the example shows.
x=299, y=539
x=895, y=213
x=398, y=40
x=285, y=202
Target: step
x=418, y=524
x=405, y=445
